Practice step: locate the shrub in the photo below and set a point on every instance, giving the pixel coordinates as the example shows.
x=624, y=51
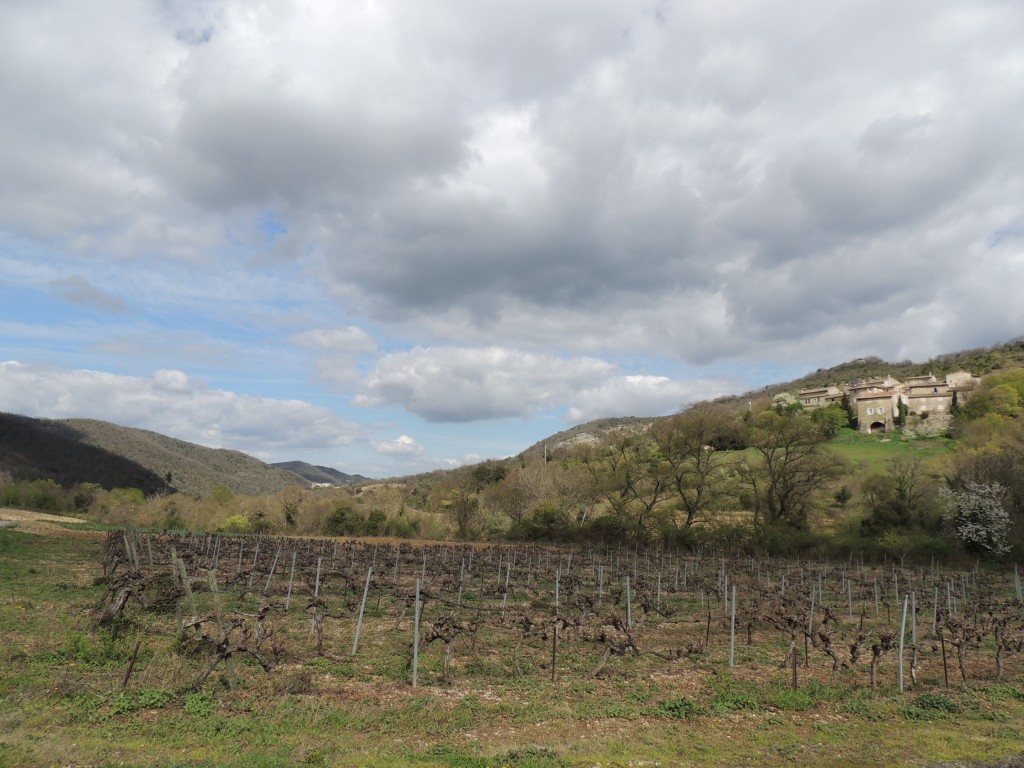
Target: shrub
x=41, y=495
x=548, y=522
x=343, y=521
x=375, y=522
x=681, y=709
x=235, y=524
x=979, y=519
x=401, y=528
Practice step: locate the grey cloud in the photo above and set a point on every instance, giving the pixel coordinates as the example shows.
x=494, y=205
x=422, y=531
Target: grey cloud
x=78, y=290
x=571, y=178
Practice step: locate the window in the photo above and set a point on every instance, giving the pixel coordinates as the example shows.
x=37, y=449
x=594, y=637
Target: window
x=881, y=410
x=870, y=411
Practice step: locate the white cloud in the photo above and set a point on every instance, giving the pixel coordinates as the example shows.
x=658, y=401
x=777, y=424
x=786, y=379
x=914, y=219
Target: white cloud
x=173, y=404
x=402, y=446
x=347, y=340
x=643, y=396
x=458, y=385
x=462, y=385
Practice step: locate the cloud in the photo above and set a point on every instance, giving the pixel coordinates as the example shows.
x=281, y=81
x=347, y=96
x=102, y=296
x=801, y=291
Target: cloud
x=460, y=385
x=337, y=352
x=477, y=212
x=346, y=340
x=643, y=396
x=172, y=403
x=402, y=446
x=78, y=290
x=618, y=166
x=463, y=385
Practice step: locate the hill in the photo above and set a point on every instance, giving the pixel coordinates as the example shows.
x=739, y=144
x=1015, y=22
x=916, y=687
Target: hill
x=979, y=361
x=319, y=474
x=71, y=451
x=39, y=449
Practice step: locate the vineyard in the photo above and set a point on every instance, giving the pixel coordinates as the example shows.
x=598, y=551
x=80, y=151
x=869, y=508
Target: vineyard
x=434, y=614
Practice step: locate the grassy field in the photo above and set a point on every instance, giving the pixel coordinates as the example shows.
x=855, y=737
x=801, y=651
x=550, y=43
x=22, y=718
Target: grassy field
x=61, y=701
x=871, y=453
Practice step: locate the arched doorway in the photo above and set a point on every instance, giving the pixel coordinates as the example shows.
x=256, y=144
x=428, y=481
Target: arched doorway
x=876, y=427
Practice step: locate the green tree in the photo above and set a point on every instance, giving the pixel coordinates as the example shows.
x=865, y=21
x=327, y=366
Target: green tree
x=790, y=470
x=830, y=419
x=630, y=474
x=695, y=470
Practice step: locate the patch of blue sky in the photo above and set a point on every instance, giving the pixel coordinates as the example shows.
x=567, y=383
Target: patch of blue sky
x=271, y=227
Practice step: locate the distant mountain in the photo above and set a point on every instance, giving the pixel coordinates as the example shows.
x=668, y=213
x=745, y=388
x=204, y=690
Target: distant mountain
x=86, y=450
x=318, y=474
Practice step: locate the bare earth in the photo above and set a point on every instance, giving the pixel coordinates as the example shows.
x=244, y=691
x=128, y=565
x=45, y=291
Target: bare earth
x=43, y=524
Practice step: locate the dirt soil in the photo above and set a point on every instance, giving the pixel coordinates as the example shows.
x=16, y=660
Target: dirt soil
x=43, y=524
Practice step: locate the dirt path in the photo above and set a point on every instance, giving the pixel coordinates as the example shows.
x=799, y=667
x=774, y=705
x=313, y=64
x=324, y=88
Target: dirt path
x=43, y=524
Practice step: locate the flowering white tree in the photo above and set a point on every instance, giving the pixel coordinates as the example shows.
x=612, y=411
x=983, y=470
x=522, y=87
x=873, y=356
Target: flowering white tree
x=978, y=516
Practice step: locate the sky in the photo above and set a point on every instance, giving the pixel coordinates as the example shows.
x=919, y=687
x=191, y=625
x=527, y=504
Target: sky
x=390, y=237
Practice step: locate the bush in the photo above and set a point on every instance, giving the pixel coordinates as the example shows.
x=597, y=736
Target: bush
x=344, y=521
x=401, y=528
x=785, y=539
x=235, y=524
x=979, y=519
x=40, y=495
x=548, y=522
x=681, y=709
x=375, y=522
x=611, y=529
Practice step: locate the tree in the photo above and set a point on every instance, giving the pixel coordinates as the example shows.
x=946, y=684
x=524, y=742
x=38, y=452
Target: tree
x=831, y=419
x=791, y=469
x=900, y=497
x=463, y=507
x=520, y=491
x=991, y=450
x=696, y=470
x=978, y=517
x=630, y=474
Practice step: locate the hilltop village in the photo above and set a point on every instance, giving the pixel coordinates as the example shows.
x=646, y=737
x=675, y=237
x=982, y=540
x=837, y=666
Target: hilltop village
x=879, y=405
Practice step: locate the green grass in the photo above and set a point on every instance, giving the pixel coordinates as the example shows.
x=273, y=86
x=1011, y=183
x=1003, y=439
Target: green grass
x=873, y=452
x=61, y=703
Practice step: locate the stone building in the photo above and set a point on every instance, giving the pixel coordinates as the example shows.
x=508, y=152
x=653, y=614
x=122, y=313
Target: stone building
x=876, y=411
x=820, y=397
x=876, y=403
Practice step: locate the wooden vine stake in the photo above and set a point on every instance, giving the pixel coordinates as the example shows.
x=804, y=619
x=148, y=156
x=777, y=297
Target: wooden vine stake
x=793, y=657
x=732, y=632
x=554, y=649
x=291, y=581
x=903, y=632
x=362, y=608
x=416, y=638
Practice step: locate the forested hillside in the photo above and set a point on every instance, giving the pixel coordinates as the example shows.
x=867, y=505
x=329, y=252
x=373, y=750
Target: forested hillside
x=36, y=449
x=70, y=451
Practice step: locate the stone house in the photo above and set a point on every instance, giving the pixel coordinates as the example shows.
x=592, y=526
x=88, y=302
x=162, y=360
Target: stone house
x=876, y=411
x=820, y=397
